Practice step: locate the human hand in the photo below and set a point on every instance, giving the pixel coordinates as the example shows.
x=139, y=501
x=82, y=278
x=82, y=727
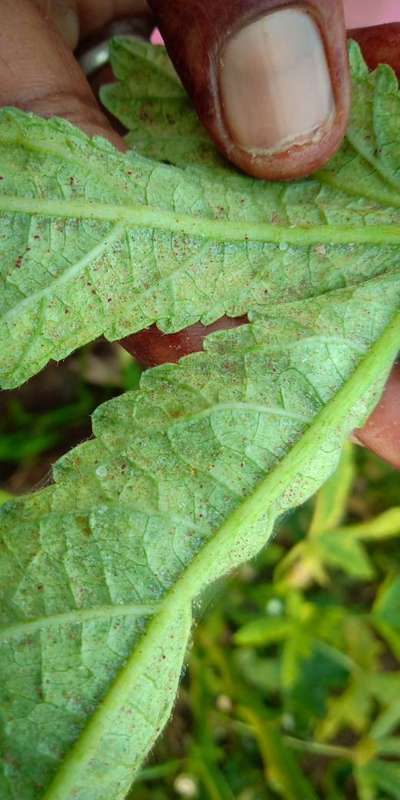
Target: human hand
x=255, y=101
x=267, y=105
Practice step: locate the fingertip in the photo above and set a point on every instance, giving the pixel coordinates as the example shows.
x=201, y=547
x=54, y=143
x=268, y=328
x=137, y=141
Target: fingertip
x=380, y=44
x=381, y=433
x=298, y=160
x=269, y=79
x=64, y=16
x=45, y=77
x=277, y=97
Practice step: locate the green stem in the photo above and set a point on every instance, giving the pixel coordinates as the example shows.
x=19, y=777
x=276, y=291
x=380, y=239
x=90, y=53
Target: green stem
x=160, y=770
x=330, y=750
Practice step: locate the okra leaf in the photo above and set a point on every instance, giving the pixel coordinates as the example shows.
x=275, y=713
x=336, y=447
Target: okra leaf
x=154, y=107
x=378, y=776
x=184, y=481
x=385, y=613
x=93, y=241
x=280, y=763
x=185, y=477
x=331, y=501
x=337, y=551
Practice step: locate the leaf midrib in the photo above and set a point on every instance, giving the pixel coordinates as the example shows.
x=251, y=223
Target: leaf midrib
x=161, y=219
x=260, y=503
x=139, y=216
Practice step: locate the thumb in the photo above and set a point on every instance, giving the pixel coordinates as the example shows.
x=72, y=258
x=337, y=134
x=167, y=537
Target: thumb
x=269, y=78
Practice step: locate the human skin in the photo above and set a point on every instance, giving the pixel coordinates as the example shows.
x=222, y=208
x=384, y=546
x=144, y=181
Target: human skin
x=253, y=100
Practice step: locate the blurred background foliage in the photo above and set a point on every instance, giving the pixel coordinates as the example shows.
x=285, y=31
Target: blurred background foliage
x=292, y=685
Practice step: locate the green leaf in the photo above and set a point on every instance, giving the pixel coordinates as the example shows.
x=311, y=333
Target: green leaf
x=186, y=477
x=295, y=653
x=262, y=632
x=281, y=767
x=154, y=107
x=210, y=775
x=4, y=496
x=331, y=501
x=390, y=634
x=387, y=604
x=364, y=649
x=337, y=550
x=385, y=686
x=354, y=707
x=160, y=771
x=389, y=747
x=366, y=788
x=309, y=672
x=384, y=526
x=182, y=483
x=381, y=776
x=387, y=722
x=96, y=242
x=386, y=613
x=351, y=710
x=261, y=673
x=333, y=781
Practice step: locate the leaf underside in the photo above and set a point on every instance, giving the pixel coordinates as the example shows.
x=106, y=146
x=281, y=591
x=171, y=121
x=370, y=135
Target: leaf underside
x=92, y=241
x=185, y=477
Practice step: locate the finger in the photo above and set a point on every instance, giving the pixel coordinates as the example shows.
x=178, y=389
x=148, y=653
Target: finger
x=46, y=79
x=151, y=347
x=380, y=44
x=64, y=15
x=382, y=431
x=381, y=434
x=95, y=14
x=269, y=78
x=77, y=19
x=39, y=72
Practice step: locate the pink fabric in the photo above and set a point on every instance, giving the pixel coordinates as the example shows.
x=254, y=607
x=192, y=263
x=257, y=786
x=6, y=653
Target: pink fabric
x=358, y=13
x=363, y=13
